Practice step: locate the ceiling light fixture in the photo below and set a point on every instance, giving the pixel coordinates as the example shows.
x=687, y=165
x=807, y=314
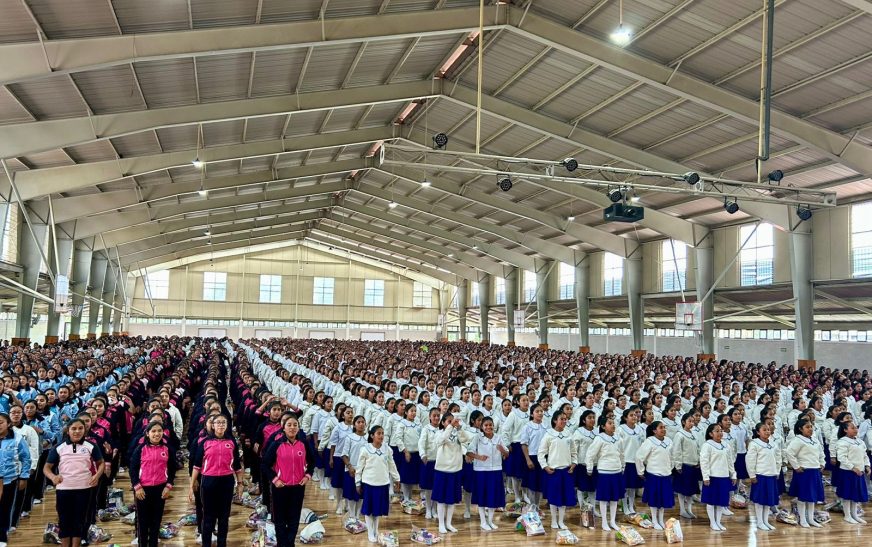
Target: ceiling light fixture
x=392, y=204
x=504, y=182
x=198, y=163
x=803, y=212
x=425, y=183
x=571, y=164
x=621, y=35
x=691, y=177
x=440, y=141
x=731, y=207
x=615, y=195
x=776, y=176
x=570, y=218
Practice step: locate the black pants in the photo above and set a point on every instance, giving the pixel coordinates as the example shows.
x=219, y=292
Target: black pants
x=149, y=513
x=7, y=505
x=217, y=496
x=39, y=479
x=287, y=503
x=72, y=507
x=198, y=507
x=20, y=499
x=265, y=489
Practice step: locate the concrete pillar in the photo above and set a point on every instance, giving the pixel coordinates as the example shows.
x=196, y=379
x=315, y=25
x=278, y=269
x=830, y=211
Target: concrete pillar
x=119, y=303
x=484, y=292
x=31, y=260
x=803, y=291
x=64, y=252
x=443, y=311
x=582, y=299
x=79, y=283
x=97, y=279
x=108, y=296
x=705, y=265
x=511, y=303
x=543, y=273
x=634, y=298
x=4, y=213
x=462, y=304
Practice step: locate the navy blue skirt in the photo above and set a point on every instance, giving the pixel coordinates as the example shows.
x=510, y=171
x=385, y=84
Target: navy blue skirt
x=560, y=488
x=687, y=482
x=741, y=467
x=515, y=464
x=310, y=445
x=583, y=481
x=782, y=484
x=488, y=491
x=349, y=489
x=532, y=478
x=717, y=492
x=610, y=486
x=337, y=472
x=446, y=487
x=658, y=491
x=765, y=491
x=836, y=477
x=632, y=478
x=807, y=486
x=852, y=487
x=828, y=462
x=376, y=500
x=467, y=477
x=410, y=471
x=427, y=471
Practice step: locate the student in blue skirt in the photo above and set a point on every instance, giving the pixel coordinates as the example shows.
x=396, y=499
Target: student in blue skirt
x=606, y=453
x=488, y=452
x=337, y=466
x=558, y=459
x=467, y=476
x=654, y=461
x=427, y=448
x=531, y=437
x=853, y=470
x=406, y=435
x=806, y=456
x=685, y=459
x=374, y=474
x=633, y=435
x=763, y=462
x=449, y=464
x=510, y=430
x=583, y=437
x=349, y=452
x=741, y=439
x=718, y=475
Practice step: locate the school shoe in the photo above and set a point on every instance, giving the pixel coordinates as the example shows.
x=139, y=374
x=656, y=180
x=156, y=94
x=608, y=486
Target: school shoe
x=25, y=514
x=37, y=502
x=199, y=540
x=135, y=541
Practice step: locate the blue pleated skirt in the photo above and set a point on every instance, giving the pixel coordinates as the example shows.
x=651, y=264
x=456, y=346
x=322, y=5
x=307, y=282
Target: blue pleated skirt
x=337, y=472
x=515, y=464
x=852, y=487
x=325, y=461
x=399, y=457
x=610, y=486
x=659, y=491
x=533, y=478
x=807, y=486
x=631, y=477
x=828, y=462
x=410, y=471
x=687, y=482
x=765, y=491
x=376, y=500
x=427, y=471
x=559, y=488
x=446, y=487
x=782, y=484
x=583, y=481
x=349, y=489
x=310, y=445
x=741, y=467
x=488, y=491
x=467, y=477
x=717, y=492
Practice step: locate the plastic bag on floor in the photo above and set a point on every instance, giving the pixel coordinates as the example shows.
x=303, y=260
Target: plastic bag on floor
x=514, y=510
x=312, y=533
x=354, y=526
x=129, y=519
x=425, y=537
x=188, y=520
x=264, y=536
x=307, y=516
x=108, y=515
x=413, y=507
x=115, y=498
x=629, y=535
x=97, y=534
x=168, y=530
x=673, y=531
x=738, y=501
x=51, y=534
x=565, y=537
x=531, y=523
x=389, y=539
x=642, y=520
x=588, y=517
x=786, y=518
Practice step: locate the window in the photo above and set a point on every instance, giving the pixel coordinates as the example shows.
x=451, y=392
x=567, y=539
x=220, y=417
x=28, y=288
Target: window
x=529, y=286
x=567, y=281
x=861, y=240
x=373, y=292
x=476, y=298
x=215, y=286
x=157, y=285
x=270, y=289
x=755, y=261
x=500, y=290
x=323, y=291
x=674, y=264
x=613, y=274
x=422, y=295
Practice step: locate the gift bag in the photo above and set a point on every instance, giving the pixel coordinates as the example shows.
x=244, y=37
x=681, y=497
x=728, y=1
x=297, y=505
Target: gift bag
x=354, y=526
x=641, y=520
x=629, y=535
x=426, y=537
x=389, y=539
x=115, y=498
x=129, y=519
x=413, y=507
x=738, y=501
x=588, y=517
x=531, y=523
x=514, y=510
x=565, y=537
x=97, y=534
x=108, y=515
x=52, y=534
x=188, y=520
x=168, y=531
x=822, y=517
x=786, y=518
x=312, y=533
x=673, y=531
x=307, y=516
x=265, y=536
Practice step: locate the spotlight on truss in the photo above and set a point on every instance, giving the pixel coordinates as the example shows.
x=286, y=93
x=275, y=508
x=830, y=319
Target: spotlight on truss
x=731, y=207
x=615, y=195
x=570, y=164
x=691, y=177
x=775, y=176
x=440, y=141
x=803, y=212
x=504, y=182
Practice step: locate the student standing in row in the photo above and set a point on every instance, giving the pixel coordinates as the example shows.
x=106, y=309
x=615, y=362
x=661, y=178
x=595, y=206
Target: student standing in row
x=558, y=459
x=375, y=472
x=488, y=494
x=152, y=473
x=350, y=454
x=654, y=462
x=289, y=465
x=854, y=466
x=763, y=462
x=718, y=475
x=805, y=454
x=427, y=448
x=606, y=453
x=449, y=464
x=685, y=459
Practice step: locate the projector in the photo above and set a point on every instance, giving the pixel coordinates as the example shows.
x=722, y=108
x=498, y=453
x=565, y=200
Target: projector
x=619, y=212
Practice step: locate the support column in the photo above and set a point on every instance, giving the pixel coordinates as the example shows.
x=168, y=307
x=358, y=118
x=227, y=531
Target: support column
x=543, y=271
x=64, y=252
x=462, y=295
x=30, y=258
x=582, y=299
x=119, y=303
x=803, y=291
x=705, y=265
x=484, y=292
x=443, y=311
x=79, y=284
x=97, y=279
x=511, y=302
x=634, y=298
x=108, y=296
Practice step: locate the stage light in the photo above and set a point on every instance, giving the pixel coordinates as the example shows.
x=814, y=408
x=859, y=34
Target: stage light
x=803, y=212
x=440, y=140
x=425, y=183
x=776, y=176
x=570, y=164
x=392, y=204
x=691, y=177
x=504, y=182
x=615, y=195
x=621, y=35
x=731, y=206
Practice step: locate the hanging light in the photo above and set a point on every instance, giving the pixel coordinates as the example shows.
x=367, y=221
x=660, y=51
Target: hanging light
x=198, y=163
x=440, y=140
x=425, y=183
x=615, y=195
x=731, y=207
x=570, y=218
x=691, y=177
x=392, y=204
x=504, y=182
x=621, y=35
x=571, y=164
x=803, y=212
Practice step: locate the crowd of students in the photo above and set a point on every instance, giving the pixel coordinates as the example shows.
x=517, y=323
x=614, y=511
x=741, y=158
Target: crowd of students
x=446, y=424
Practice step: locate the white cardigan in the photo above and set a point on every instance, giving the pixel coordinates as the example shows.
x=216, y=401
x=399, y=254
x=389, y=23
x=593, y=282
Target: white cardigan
x=716, y=460
x=606, y=454
x=851, y=454
x=376, y=467
x=763, y=458
x=655, y=456
x=449, y=454
x=556, y=450
x=685, y=449
x=806, y=453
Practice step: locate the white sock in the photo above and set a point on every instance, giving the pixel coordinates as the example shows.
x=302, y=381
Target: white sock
x=425, y=497
x=516, y=488
x=604, y=512
x=467, y=504
x=803, y=513
x=554, y=524
x=482, y=514
x=613, y=514
x=689, y=501
x=440, y=512
x=811, y=521
x=719, y=512
x=713, y=522
x=407, y=491
x=681, y=509
x=490, y=518
x=579, y=495
x=449, y=514
x=370, y=528
x=759, y=512
x=658, y=518
x=561, y=514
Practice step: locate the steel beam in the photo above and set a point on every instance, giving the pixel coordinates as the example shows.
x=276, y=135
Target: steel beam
x=241, y=242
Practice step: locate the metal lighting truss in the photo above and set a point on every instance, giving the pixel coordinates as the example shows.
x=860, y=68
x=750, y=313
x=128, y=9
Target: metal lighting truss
x=673, y=183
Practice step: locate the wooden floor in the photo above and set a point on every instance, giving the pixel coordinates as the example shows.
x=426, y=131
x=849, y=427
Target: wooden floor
x=697, y=532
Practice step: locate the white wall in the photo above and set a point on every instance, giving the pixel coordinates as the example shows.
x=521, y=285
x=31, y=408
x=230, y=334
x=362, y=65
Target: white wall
x=191, y=329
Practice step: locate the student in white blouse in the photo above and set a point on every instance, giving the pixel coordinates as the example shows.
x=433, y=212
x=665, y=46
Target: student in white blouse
x=427, y=449
x=685, y=459
x=654, y=462
x=558, y=459
x=853, y=468
x=763, y=463
x=718, y=475
x=606, y=454
x=633, y=435
x=806, y=456
x=349, y=451
x=407, y=434
x=375, y=472
x=488, y=451
x=583, y=438
x=449, y=463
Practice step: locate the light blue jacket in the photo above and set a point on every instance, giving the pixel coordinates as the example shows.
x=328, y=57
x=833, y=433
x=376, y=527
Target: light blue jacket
x=14, y=457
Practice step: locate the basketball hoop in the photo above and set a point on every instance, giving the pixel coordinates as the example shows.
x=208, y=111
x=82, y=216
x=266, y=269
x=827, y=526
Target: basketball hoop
x=688, y=316
x=76, y=310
